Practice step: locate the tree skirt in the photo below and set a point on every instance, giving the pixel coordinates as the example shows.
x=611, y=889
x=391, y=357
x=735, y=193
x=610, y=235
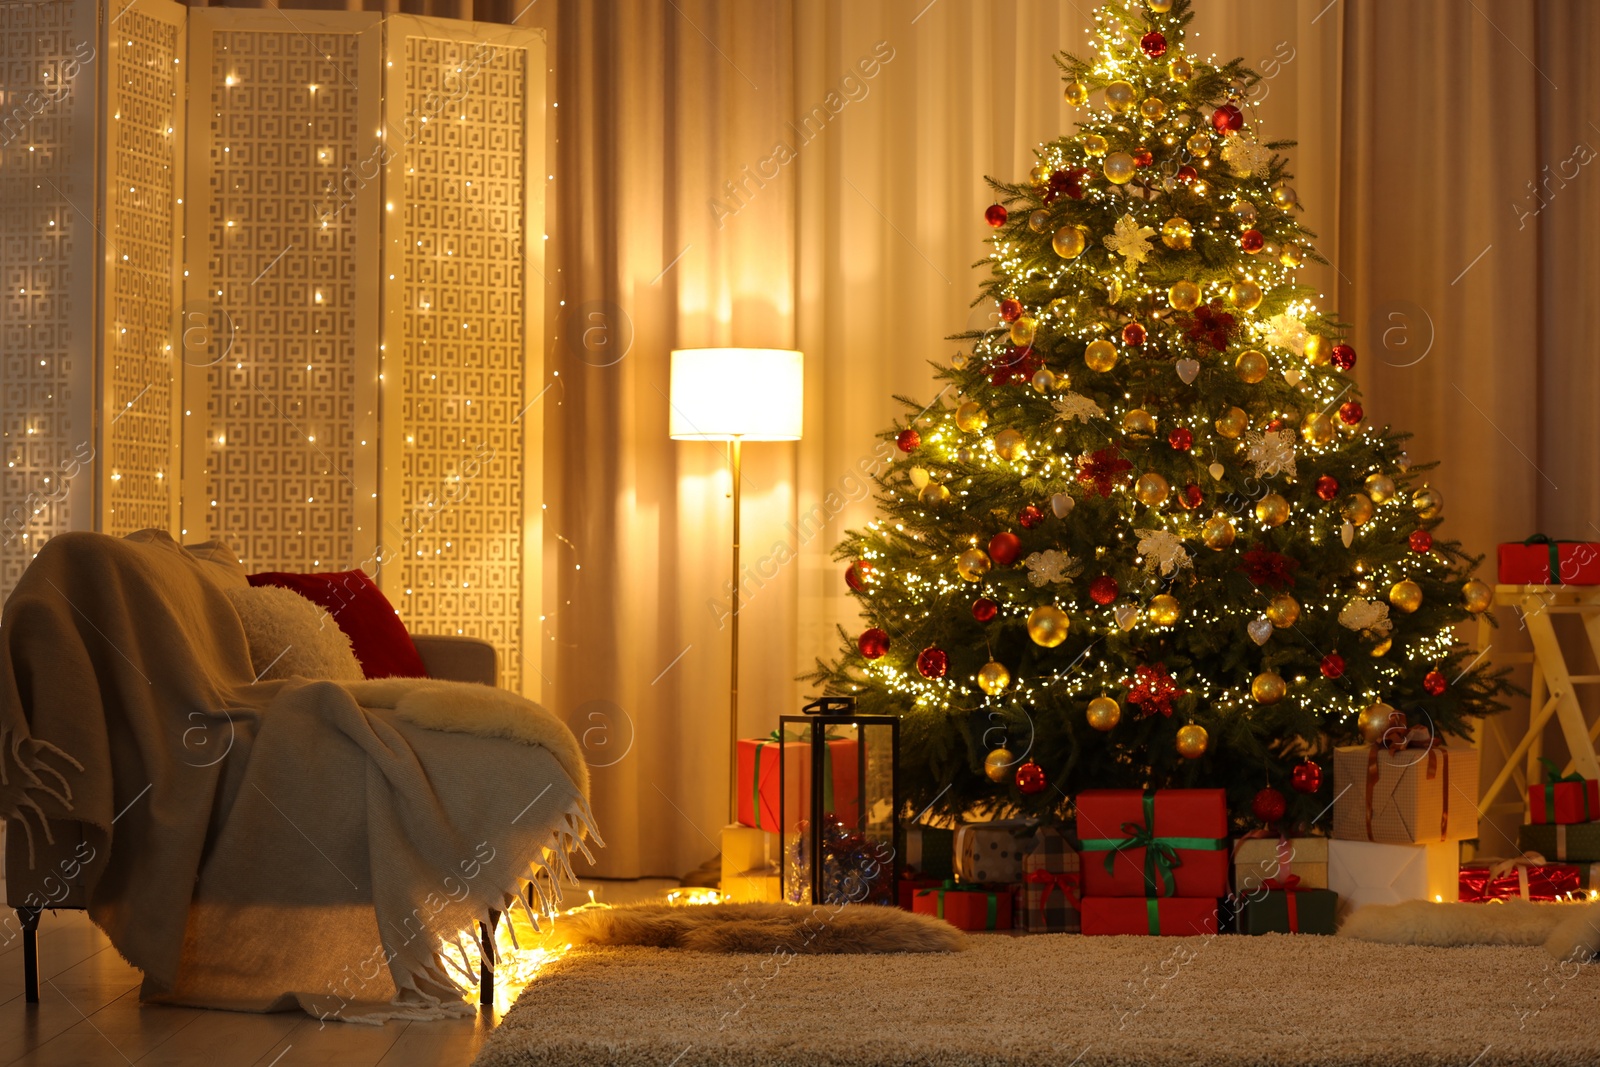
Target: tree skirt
x=1059, y=999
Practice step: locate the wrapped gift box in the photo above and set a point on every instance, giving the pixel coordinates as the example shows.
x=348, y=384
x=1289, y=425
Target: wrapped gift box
x=1256, y=859
x=758, y=780
x=1160, y=916
x=992, y=851
x=965, y=906
x=1288, y=910
x=1541, y=561
x=908, y=887
x=1367, y=872
x=1181, y=848
x=1579, y=842
x=1050, y=886
x=1563, y=798
x=764, y=885
x=1528, y=878
x=1406, y=797
x=929, y=850
x=746, y=849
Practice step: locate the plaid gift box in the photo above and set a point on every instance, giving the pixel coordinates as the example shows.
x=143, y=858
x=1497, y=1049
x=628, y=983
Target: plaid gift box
x=1049, y=886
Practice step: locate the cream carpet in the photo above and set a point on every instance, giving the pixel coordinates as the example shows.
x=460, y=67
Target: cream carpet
x=1060, y=999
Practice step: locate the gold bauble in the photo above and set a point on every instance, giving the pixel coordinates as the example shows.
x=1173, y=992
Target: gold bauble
x=933, y=493
x=1317, y=350
x=1164, y=609
x=1151, y=489
x=997, y=765
x=1375, y=720
x=1177, y=233
x=1047, y=625
x=1160, y=7
x=1245, y=295
x=1069, y=241
x=1233, y=423
x=1243, y=212
x=1039, y=221
x=1075, y=92
x=971, y=417
x=1268, y=687
x=1184, y=296
x=1009, y=444
x=1118, y=168
x=1272, y=510
x=1284, y=196
x=993, y=678
x=973, y=564
x=1428, y=502
x=1406, y=595
x=1283, y=611
x=1044, y=380
x=1380, y=487
x=1152, y=108
x=1101, y=355
x=1358, y=509
x=1218, y=532
x=1201, y=188
x=1139, y=423
x=1180, y=70
x=1199, y=144
x=1022, y=331
x=1103, y=713
x=1040, y=174
x=1290, y=255
x=1251, y=366
x=1192, y=741
x=1094, y=144
x=1382, y=647
x=1477, y=596
x=1317, y=430
x=1119, y=96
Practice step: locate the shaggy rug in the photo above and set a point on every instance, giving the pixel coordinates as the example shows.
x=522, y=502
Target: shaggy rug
x=764, y=928
x=1566, y=931
x=1059, y=999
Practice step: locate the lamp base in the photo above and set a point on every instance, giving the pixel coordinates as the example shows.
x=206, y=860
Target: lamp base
x=706, y=876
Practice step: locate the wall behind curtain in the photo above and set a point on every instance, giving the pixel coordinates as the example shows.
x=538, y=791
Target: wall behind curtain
x=1411, y=159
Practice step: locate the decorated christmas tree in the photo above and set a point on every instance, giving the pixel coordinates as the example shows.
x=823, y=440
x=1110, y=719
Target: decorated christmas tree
x=1147, y=536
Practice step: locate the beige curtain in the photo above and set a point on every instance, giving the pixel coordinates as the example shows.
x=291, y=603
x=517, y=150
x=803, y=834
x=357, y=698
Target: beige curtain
x=675, y=222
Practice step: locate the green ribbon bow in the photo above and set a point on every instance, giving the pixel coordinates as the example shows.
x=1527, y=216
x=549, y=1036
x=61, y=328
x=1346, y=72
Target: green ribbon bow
x=991, y=919
x=1160, y=853
x=1553, y=775
x=755, y=775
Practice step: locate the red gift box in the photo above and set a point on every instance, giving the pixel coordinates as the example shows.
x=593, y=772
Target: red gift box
x=1170, y=842
x=1541, y=561
x=908, y=887
x=1563, y=798
x=758, y=780
x=967, y=907
x=1528, y=878
x=1164, y=916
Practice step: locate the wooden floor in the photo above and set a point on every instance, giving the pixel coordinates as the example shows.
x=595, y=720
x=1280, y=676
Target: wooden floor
x=89, y=1013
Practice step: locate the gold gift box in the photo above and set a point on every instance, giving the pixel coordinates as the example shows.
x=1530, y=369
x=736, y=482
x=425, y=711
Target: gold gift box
x=1257, y=859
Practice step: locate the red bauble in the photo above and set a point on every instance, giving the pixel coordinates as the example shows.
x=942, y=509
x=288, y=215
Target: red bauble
x=1251, y=241
x=1154, y=44
x=1010, y=309
x=1187, y=174
x=1269, y=805
x=1143, y=157
x=1306, y=777
x=1004, y=548
x=1435, y=683
x=1030, y=778
x=856, y=575
x=1342, y=356
x=907, y=440
x=1333, y=665
x=1181, y=439
x=1351, y=412
x=996, y=215
x=1190, y=497
x=1275, y=424
x=932, y=662
x=1103, y=590
x=1029, y=517
x=1133, y=335
x=1327, y=487
x=984, y=609
x=873, y=643
x=1227, y=119
x=1421, y=540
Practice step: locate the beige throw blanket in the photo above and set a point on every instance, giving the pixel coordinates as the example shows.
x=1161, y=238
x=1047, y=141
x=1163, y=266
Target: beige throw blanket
x=262, y=846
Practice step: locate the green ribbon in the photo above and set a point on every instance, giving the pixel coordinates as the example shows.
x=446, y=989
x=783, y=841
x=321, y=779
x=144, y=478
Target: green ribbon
x=1553, y=775
x=1152, y=908
x=1160, y=853
x=755, y=773
x=1555, y=554
x=991, y=919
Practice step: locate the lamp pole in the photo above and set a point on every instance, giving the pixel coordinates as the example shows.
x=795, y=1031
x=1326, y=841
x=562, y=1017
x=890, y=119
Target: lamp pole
x=733, y=670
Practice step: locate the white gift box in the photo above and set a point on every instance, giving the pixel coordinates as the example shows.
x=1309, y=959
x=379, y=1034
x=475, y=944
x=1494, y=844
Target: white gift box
x=1368, y=872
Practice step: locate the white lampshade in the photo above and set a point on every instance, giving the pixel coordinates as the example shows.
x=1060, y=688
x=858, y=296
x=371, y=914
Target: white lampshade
x=757, y=394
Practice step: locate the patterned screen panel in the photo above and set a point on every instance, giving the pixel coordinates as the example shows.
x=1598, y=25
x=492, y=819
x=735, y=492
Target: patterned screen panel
x=47, y=202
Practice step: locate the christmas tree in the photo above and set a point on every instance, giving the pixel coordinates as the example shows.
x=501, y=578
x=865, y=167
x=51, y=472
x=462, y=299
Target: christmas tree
x=1146, y=536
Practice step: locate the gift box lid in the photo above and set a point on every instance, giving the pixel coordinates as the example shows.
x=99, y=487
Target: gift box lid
x=1254, y=850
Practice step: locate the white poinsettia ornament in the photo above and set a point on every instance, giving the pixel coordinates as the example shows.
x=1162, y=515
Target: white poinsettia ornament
x=1272, y=452
x=1245, y=156
x=1366, y=615
x=1130, y=240
x=1288, y=332
x=1162, y=551
x=1051, y=566
x=1077, y=406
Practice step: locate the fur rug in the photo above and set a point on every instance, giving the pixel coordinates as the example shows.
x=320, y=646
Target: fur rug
x=763, y=928
x=1566, y=931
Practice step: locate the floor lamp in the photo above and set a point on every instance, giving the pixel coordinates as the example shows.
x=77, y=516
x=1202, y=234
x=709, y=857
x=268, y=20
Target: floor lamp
x=736, y=395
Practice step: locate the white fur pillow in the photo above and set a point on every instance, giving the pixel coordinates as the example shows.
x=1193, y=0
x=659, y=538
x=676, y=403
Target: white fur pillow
x=290, y=637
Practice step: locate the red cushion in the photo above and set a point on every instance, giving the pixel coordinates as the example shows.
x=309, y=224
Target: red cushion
x=376, y=634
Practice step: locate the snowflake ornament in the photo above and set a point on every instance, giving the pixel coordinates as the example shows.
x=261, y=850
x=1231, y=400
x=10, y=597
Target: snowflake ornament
x=1162, y=550
x=1076, y=406
x=1272, y=452
x=1367, y=615
x=1129, y=240
x=1245, y=156
x=1051, y=566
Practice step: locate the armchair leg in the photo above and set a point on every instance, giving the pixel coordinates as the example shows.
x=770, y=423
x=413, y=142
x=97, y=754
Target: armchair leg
x=30, y=953
x=486, y=967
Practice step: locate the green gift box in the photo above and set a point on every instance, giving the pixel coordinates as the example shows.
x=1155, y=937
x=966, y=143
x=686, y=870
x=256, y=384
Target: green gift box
x=1578, y=842
x=1288, y=911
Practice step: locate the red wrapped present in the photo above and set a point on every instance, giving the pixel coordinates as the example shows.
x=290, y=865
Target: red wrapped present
x=1527, y=876
x=1160, y=917
x=758, y=779
x=969, y=907
x=908, y=888
x=1165, y=843
x=1563, y=798
x=1541, y=561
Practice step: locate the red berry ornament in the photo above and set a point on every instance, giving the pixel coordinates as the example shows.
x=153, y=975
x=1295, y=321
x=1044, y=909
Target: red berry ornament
x=1004, y=548
x=984, y=609
x=856, y=575
x=1251, y=241
x=996, y=215
x=1306, y=777
x=1342, y=356
x=1435, y=683
x=1030, y=778
x=932, y=662
x=1190, y=497
x=1181, y=439
x=1421, y=540
x=1269, y=805
x=1227, y=118
x=1010, y=309
x=1351, y=412
x=907, y=440
x=873, y=643
x=1333, y=665
x=1029, y=517
x=1103, y=590
x=1153, y=44
x=1133, y=335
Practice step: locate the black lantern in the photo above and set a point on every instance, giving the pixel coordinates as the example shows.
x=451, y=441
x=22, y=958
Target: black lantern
x=839, y=804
